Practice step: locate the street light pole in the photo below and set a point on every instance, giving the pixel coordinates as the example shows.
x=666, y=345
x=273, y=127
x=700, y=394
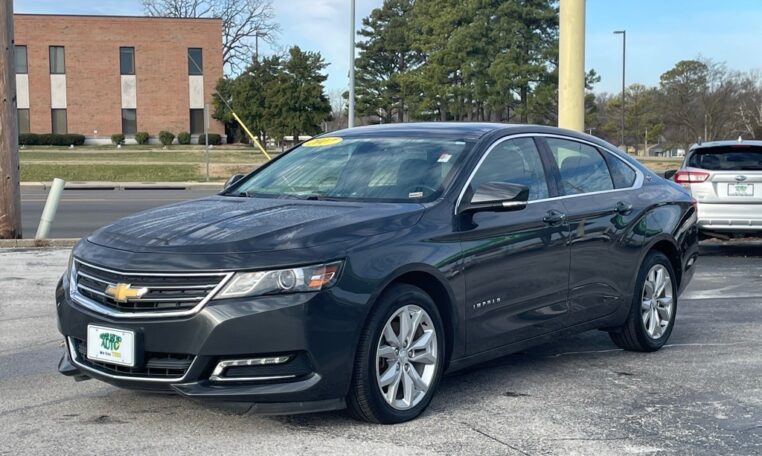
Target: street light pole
x=351, y=119
x=624, y=54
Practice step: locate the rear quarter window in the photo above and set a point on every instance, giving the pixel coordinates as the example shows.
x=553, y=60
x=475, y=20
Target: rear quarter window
x=621, y=173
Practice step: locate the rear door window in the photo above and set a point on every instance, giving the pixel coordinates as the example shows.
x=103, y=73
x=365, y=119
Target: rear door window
x=583, y=169
x=727, y=158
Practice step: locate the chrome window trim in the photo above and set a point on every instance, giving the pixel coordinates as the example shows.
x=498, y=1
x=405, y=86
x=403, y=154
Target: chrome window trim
x=74, y=359
x=639, y=178
x=88, y=303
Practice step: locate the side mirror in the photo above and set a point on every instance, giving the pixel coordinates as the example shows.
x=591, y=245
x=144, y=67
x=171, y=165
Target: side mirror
x=669, y=173
x=497, y=197
x=232, y=180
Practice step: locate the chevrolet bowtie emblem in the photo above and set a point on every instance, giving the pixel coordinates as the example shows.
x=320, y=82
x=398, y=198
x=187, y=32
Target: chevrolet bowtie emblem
x=123, y=292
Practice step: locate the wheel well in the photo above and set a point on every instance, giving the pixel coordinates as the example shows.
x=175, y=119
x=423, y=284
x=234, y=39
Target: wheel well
x=434, y=288
x=669, y=250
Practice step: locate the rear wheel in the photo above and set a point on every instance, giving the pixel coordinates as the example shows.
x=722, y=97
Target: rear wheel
x=399, y=359
x=652, y=315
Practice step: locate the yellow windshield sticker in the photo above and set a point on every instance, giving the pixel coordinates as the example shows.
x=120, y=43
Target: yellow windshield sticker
x=326, y=141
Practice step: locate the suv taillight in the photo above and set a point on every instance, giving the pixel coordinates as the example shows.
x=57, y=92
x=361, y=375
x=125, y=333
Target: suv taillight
x=686, y=178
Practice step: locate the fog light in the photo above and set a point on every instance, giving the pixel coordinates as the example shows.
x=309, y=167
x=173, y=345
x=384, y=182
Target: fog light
x=222, y=366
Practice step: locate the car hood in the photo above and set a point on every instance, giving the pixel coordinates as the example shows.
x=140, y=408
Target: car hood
x=221, y=224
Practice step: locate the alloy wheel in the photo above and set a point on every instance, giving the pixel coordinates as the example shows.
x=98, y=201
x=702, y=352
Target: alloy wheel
x=406, y=357
x=657, y=303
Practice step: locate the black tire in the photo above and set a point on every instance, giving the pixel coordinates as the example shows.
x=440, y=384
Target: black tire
x=633, y=335
x=365, y=401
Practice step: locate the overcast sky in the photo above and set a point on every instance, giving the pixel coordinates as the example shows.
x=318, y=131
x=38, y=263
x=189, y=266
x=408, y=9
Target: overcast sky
x=659, y=32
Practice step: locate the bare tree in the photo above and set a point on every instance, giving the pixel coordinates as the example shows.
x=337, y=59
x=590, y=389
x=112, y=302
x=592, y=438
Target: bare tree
x=749, y=108
x=244, y=22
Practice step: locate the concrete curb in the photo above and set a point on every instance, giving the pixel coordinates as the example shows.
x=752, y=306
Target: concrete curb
x=34, y=243
x=127, y=185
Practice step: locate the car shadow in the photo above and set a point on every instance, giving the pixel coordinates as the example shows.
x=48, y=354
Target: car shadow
x=502, y=377
x=746, y=247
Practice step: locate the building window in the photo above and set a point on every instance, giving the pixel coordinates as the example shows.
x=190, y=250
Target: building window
x=195, y=61
x=57, y=60
x=59, y=121
x=21, y=62
x=129, y=121
x=127, y=60
x=197, y=121
x=23, y=117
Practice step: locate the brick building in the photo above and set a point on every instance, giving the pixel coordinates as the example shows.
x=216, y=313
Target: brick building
x=99, y=75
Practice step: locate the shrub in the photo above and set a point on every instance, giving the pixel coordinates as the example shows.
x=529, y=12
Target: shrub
x=117, y=139
x=74, y=139
x=184, y=137
x=166, y=137
x=46, y=139
x=141, y=137
x=55, y=139
x=214, y=139
x=29, y=139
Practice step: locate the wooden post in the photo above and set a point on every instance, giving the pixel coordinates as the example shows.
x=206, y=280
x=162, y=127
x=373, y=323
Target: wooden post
x=10, y=193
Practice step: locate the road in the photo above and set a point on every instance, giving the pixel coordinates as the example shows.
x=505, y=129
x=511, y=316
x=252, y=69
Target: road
x=699, y=395
x=82, y=211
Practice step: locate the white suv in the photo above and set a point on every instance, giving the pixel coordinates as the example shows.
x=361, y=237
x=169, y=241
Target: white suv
x=725, y=178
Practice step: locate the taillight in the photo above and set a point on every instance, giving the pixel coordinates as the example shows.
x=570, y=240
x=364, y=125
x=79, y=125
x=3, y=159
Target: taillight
x=686, y=178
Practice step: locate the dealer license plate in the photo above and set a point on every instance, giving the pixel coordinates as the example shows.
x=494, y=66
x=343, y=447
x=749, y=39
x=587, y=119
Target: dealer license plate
x=111, y=345
x=740, y=189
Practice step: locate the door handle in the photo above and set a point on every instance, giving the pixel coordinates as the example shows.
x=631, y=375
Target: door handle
x=623, y=208
x=554, y=217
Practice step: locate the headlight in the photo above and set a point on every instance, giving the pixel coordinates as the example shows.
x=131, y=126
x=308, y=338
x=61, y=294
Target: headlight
x=67, y=274
x=292, y=280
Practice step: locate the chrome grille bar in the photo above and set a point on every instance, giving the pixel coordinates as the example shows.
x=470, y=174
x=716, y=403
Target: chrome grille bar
x=167, y=295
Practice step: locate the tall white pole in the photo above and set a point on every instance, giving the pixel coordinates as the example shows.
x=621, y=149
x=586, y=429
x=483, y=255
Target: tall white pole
x=571, y=65
x=351, y=119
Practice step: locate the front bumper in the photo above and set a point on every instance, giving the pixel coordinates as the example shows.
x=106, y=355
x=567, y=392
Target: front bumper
x=316, y=331
x=736, y=218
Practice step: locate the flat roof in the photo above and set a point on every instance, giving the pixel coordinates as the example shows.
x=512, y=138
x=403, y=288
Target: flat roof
x=114, y=16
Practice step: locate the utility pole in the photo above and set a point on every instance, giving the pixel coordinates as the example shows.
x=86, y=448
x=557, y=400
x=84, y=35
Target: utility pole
x=256, y=44
x=645, y=149
x=10, y=194
x=571, y=65
x=624, y=55
x=351, y=119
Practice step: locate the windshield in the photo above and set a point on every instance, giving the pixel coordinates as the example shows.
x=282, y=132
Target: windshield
x=383, y=169
x=728, y=158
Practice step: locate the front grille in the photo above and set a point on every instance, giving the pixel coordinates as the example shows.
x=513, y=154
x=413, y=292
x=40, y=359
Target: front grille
x=165, y=292
x=157, y=365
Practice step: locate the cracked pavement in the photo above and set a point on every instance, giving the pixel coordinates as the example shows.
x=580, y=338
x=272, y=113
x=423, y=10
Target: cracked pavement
x=701, y=394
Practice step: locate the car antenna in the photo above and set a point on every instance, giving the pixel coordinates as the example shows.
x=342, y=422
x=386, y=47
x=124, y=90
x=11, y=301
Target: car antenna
x=699, y=140
x=740, y=138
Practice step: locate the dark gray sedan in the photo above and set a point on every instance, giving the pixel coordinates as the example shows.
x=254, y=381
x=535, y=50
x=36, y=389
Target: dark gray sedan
x=358, y=267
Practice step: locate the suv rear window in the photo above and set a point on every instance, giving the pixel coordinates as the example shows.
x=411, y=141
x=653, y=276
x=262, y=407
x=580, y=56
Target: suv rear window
x=727, y=158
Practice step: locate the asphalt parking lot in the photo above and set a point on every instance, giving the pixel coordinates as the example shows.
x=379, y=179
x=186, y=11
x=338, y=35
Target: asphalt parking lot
x=701, y=394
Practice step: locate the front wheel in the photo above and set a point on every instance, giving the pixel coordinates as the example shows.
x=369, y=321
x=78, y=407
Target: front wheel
x=654, y=306
x=399, y=359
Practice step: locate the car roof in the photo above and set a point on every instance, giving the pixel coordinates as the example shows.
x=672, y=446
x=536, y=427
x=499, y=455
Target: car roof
x=453, y=130
x=725, y=143
x=463, y=130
